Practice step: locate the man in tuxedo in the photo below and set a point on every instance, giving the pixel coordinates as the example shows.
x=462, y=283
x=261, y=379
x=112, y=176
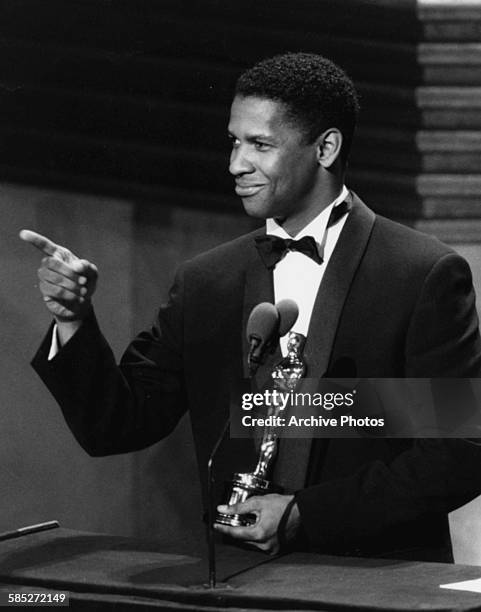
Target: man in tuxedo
x=384, y=299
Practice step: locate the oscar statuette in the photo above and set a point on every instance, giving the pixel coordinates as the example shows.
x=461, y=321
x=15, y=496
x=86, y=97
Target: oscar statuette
x=285, y=376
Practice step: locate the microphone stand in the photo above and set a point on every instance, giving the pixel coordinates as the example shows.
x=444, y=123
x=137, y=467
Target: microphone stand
x=212, y=583
x=211, y=510
x=261, y=340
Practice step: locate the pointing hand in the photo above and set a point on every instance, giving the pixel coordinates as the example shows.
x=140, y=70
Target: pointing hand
x=66, y=282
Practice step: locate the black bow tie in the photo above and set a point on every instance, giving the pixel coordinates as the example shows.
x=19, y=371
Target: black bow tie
x=272, y=248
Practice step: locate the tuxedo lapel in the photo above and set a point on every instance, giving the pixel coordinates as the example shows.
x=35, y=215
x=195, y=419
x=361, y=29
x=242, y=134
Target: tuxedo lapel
x=335, y=286
x=299, y=459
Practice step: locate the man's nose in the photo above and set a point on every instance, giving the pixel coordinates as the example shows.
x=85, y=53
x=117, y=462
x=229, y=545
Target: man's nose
x=240, y=162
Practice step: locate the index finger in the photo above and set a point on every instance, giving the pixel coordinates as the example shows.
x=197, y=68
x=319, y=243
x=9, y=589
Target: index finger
x=41, y=242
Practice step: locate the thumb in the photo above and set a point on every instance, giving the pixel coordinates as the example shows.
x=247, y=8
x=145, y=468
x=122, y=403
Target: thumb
x=85, y=267
x=250, y=505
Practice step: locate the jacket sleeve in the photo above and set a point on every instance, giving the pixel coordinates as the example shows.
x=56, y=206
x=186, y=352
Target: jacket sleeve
x=113, y=409
x=432, y=476
x=443, y=336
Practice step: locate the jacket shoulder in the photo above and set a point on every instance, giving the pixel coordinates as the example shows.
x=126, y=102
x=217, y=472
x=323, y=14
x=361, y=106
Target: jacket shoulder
x=391, y=238
x=408, y=243
x=232, y=254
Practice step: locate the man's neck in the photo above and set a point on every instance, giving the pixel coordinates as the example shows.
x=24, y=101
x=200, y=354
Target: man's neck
x=297, y=222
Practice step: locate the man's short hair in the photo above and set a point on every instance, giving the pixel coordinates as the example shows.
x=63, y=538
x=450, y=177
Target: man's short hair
x=315, y=92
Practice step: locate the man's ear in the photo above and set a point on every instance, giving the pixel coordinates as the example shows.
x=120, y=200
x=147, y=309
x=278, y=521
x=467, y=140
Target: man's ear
x=329, y=147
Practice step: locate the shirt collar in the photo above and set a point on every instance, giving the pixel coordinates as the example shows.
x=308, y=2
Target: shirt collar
x=315, y=228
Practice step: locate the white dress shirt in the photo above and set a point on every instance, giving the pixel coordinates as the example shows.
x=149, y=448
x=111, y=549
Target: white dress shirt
x=297, y=276
x=54, y=345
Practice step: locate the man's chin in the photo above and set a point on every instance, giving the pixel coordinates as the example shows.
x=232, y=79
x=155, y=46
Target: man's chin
x=256, y=209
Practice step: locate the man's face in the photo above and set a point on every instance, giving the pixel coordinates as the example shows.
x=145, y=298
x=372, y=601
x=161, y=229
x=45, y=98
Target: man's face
x=276, y=171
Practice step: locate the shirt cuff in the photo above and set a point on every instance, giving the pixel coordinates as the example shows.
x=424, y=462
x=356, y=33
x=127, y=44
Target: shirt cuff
x=54, y=347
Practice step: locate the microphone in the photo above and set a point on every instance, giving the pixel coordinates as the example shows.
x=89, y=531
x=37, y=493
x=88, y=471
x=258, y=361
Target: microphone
x=288, y=312
x=262, y=329
x=266, y=324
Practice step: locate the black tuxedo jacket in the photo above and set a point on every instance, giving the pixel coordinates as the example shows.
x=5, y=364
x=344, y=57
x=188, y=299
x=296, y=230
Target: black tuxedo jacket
x=393, y=302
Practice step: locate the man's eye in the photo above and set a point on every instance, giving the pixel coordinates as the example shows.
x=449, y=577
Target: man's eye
x=261, y=146
x=234, y=142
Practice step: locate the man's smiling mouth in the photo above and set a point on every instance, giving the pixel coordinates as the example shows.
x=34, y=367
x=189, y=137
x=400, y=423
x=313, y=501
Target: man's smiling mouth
x=245, y=189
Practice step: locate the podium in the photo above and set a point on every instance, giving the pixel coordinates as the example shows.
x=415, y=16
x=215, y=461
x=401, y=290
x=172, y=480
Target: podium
x=103, y=572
